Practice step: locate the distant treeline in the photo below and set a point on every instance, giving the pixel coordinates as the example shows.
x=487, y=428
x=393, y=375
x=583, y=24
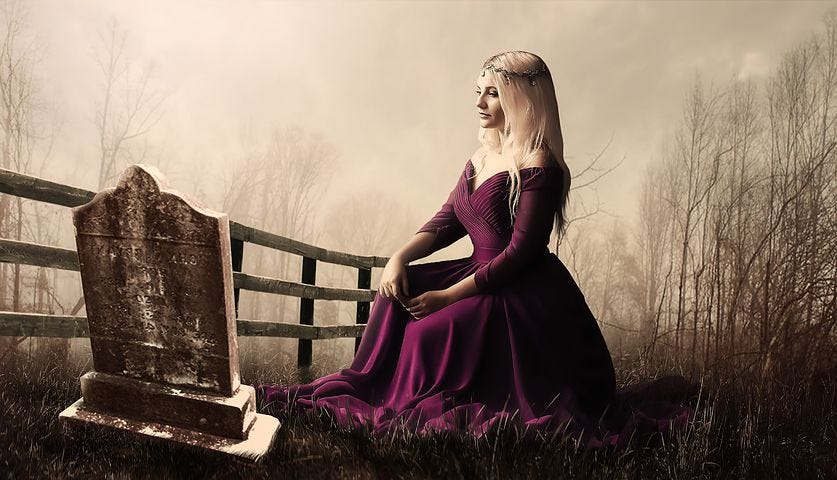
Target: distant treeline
x=735, y=262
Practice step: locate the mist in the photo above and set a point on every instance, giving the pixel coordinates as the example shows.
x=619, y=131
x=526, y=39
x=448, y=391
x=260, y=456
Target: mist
x=375, y=102
x=390, y=84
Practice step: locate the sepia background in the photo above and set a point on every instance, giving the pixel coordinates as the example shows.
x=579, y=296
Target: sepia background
x=699, y=135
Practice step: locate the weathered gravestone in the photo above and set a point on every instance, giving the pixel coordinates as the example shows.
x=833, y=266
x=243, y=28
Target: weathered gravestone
x=157, y=280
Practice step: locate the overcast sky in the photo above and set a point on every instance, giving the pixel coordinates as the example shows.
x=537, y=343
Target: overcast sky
x=390, y=84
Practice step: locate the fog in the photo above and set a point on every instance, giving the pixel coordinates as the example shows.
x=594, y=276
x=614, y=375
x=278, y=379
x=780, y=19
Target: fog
x=390, y=84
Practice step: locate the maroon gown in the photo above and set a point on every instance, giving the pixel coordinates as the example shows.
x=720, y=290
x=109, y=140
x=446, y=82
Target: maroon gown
x=525, y=351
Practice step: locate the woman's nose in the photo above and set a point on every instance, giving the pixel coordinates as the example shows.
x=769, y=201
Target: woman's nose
x=481, y=102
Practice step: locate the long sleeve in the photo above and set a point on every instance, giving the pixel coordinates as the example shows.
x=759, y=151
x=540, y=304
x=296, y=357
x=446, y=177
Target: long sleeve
x=445, y=224
x=530, y=236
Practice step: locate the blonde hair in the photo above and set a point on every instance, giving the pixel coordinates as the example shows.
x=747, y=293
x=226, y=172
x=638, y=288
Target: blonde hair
x=532, y=122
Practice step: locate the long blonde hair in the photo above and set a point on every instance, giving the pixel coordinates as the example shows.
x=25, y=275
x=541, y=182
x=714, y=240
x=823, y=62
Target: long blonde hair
x=532, y=122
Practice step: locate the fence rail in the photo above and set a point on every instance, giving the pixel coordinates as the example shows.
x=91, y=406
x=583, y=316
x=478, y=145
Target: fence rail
x=63, y=326
x=40, y=190
x=17, y=324
x=25, y=253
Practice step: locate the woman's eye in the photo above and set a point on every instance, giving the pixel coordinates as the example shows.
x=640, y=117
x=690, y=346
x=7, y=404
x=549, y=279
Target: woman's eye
x=492, y=94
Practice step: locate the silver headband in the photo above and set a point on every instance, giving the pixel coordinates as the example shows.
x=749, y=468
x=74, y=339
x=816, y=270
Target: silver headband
x=530, y=74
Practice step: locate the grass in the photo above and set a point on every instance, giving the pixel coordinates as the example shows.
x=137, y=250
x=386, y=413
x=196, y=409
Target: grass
x=743, y=429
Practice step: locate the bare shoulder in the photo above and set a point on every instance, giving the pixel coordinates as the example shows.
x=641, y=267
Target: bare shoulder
x=540, y=158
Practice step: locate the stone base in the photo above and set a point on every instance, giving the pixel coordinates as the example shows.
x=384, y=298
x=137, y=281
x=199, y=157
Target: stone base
x=259, y=437
x=153, y=402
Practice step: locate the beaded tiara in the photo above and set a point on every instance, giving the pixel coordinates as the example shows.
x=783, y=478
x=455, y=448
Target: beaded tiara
x=530, y=74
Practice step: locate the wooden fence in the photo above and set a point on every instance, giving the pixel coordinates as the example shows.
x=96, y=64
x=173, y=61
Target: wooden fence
x=65, y=326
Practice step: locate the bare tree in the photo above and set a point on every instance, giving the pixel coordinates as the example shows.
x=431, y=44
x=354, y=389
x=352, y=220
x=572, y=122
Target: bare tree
x=129, y=107
x=653, y=234
x=798, y=261
x=26, y=139
x=584, y=181
x=25, y=136
x=16, y=141
x=357, y=224
x=744, y=277
x=277, y=189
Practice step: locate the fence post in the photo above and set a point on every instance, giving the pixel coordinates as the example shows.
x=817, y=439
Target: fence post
x=306, y=311
x=237, y=254
x=364, y=281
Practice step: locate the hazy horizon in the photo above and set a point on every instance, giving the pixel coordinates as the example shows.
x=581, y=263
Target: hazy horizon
x=390, y=84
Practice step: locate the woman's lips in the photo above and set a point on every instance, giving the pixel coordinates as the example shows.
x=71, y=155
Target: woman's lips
x=484, y=115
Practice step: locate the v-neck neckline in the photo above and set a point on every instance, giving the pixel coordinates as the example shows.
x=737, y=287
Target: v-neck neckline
x=468, y=180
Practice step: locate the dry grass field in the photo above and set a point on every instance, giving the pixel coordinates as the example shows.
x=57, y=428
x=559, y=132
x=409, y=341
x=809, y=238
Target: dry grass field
x=743, y=429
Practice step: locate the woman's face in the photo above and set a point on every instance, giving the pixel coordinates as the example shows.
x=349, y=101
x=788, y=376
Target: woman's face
x=488, y=104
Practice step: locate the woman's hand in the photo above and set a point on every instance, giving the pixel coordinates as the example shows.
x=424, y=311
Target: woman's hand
x=428, y=302
x=394, y=281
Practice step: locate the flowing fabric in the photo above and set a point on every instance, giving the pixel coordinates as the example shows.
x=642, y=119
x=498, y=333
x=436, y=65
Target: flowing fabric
x=525, y=351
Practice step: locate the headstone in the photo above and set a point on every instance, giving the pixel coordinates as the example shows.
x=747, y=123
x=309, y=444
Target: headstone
x=157, y=279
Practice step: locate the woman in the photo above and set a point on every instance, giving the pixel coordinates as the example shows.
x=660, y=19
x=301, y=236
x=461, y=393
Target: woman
x=504, y=335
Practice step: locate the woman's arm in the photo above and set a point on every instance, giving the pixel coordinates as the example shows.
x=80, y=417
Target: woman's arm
x=464, y=288
x=445, y=225
x=442, y=230
x=434, y=300
x=417, y=247
x=439, y=232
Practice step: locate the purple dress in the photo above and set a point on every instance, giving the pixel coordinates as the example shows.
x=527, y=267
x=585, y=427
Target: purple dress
x=525, y=351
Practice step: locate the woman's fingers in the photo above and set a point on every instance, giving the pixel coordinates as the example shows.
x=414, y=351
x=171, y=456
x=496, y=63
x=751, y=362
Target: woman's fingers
x=393, y=287
x=415, y=307
x=397, y=288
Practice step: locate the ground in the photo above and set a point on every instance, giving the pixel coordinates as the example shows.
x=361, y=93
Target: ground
x=741, y=431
